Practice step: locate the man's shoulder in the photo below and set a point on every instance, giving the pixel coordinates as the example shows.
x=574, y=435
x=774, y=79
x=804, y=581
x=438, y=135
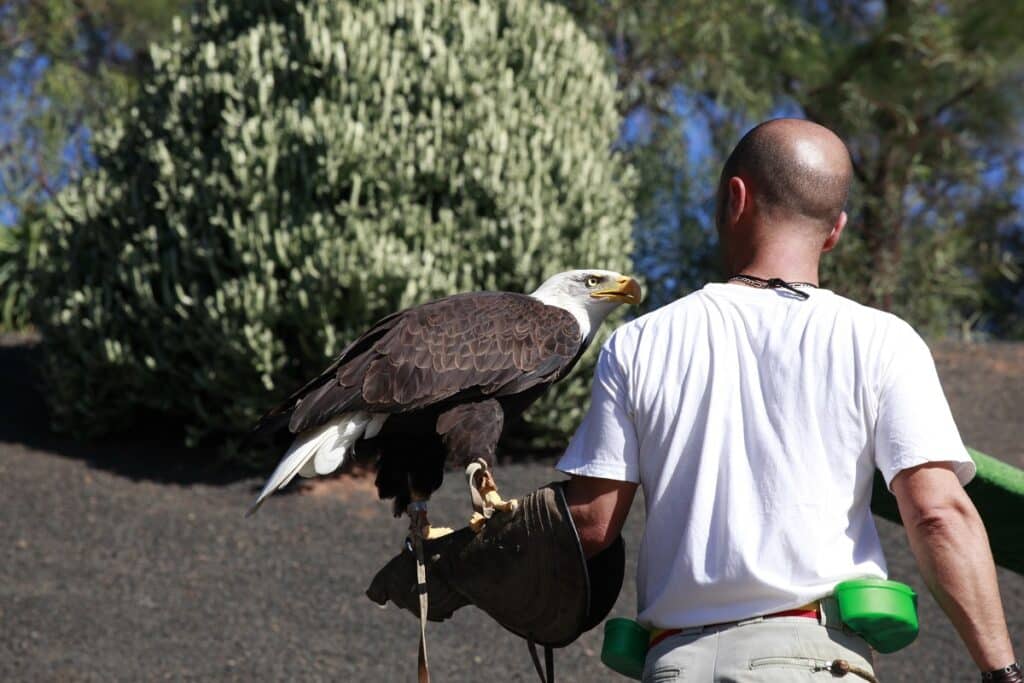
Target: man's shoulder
x=864, y=311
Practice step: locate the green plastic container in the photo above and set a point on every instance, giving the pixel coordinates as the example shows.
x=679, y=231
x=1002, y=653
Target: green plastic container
x=884, y=613
x=625, y=647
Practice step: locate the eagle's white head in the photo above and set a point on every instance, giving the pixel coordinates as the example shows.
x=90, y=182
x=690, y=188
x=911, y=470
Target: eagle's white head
x=590, y=295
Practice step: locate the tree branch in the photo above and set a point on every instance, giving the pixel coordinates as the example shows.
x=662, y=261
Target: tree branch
x=966, y=91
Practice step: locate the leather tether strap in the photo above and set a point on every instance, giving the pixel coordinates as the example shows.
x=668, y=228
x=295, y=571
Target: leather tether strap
x=417, y=513
x=549, y=662
x=421, y=585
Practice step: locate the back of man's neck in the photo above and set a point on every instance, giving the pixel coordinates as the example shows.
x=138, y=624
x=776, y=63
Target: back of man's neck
x=787, y=265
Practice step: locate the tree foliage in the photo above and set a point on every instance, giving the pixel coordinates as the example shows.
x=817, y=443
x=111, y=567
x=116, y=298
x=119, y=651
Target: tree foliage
x=63, y=64
x=926, y=94
x=928, y=102
x=293, y=172
x=20, y=252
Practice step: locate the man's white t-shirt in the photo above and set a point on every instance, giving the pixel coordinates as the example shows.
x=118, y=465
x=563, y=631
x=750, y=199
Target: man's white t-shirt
x=754, y=421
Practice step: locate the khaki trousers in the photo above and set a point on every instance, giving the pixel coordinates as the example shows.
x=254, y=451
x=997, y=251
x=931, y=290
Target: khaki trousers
x=775, y=650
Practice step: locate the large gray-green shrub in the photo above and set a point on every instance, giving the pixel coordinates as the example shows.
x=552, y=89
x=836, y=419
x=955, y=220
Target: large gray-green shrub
x=19, y=246
x=295, y=171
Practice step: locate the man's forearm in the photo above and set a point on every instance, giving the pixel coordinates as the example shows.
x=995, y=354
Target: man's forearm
x=599, y=508
x=953, y=553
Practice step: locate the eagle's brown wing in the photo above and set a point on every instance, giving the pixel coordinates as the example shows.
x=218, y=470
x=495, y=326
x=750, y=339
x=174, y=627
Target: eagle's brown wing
x=279, y=415
x=463, y=347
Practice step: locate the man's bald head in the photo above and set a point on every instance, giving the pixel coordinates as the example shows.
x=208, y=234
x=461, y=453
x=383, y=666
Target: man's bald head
x=795, y=170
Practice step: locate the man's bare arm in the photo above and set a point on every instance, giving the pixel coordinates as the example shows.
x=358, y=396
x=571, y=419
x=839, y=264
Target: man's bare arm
x=949, y=541
x=599, y=508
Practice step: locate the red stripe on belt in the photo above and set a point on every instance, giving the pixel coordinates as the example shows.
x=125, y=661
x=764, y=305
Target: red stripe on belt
x=658, y=635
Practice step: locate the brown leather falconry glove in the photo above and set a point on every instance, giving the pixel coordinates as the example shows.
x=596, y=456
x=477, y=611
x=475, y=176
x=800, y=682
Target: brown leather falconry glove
x=526, y=569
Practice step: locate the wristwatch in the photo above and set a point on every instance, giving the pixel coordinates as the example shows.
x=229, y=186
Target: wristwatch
x=1010, y=673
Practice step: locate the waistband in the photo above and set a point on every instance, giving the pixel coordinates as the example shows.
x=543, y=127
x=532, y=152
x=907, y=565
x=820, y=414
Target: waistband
x=825, y=611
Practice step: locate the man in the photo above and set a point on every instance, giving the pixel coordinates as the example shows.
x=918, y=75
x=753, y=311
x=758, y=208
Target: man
x=754, y=413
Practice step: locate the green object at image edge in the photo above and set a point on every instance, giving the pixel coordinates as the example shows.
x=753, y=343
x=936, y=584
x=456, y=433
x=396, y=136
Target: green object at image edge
x=997, y=491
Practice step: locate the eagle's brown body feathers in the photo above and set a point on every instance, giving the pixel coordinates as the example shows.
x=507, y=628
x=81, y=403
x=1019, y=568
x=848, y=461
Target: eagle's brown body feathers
x=449, y=374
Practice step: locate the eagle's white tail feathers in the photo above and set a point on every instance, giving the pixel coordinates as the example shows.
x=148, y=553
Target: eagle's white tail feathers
x=332, y=453
x=320, y=451
x=314, y=467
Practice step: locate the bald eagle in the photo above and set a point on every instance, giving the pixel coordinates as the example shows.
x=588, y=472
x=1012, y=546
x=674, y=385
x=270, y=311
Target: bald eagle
x=438, y=383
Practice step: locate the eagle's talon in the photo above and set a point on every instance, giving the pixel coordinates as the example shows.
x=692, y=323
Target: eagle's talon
x=496, y=502
x=484, y=493
x=477, y=522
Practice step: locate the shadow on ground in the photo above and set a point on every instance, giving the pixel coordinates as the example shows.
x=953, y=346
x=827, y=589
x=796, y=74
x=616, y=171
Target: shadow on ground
x=153, y=450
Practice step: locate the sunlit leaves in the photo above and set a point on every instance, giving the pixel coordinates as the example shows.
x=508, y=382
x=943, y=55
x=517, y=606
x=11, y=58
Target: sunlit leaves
x=292, y=173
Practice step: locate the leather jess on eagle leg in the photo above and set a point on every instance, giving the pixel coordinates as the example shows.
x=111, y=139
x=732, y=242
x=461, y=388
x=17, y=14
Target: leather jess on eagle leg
x=533, y=551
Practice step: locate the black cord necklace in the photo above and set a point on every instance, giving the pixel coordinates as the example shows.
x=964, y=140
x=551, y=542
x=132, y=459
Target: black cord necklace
x=774, y=283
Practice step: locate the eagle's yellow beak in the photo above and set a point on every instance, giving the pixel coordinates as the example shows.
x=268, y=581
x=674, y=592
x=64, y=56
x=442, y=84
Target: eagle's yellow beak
x=626, y=289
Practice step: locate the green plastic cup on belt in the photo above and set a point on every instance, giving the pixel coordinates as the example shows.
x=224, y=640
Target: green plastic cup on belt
x=625, y=647
x=884, y=613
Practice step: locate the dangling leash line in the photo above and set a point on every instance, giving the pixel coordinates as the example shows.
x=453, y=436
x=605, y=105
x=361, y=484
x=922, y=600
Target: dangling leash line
x=549, y=662
x=417, y=510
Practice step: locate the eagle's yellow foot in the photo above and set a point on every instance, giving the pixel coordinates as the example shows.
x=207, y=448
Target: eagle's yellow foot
x=488, y=490
x=477, y=522
x=494, y=499
x=484, y=493
x=437, y=532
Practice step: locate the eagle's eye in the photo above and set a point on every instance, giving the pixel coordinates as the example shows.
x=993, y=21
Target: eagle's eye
x=592, y=281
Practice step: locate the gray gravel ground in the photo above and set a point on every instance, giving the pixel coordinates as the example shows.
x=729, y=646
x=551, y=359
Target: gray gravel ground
x=133, y=563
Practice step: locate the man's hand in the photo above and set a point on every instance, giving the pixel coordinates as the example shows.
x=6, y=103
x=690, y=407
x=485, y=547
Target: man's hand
x=599, y=508
x=949, y=541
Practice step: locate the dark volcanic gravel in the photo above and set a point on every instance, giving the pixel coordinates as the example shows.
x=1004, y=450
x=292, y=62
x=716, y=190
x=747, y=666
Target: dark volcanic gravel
x=985, y=387
x=113, y=574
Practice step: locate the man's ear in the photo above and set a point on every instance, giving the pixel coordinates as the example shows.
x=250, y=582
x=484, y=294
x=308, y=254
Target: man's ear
x=837, y=230
x=738, y=199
